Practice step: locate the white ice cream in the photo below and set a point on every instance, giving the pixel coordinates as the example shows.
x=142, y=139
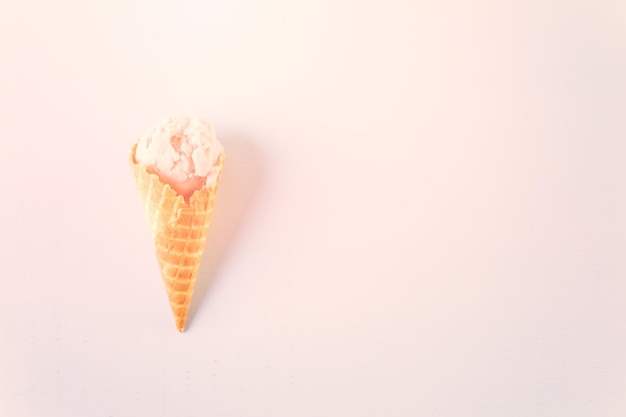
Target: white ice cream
x=183, y=152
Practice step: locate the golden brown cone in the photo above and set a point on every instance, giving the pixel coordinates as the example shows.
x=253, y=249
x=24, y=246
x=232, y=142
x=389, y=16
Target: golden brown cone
x=179, y=231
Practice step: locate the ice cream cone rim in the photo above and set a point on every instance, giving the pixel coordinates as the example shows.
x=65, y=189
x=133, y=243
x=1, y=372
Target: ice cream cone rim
x=196, y=194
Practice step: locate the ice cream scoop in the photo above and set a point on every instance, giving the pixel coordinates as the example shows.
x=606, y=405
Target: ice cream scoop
x=183, y=152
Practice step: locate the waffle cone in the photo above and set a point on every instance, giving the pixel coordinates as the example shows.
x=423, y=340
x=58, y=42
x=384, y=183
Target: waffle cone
x=179, y=231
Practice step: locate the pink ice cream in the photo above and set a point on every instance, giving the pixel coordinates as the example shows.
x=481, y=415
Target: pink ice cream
x=183, y=152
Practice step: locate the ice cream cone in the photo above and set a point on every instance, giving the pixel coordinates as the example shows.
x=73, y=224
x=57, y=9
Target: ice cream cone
x=179, y=229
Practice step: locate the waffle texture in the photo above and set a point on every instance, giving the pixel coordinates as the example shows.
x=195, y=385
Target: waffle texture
x=179, y=231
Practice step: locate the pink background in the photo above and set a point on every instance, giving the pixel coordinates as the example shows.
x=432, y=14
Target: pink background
x=423, y=209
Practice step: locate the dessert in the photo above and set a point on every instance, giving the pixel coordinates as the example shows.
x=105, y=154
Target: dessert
x=177, y=167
